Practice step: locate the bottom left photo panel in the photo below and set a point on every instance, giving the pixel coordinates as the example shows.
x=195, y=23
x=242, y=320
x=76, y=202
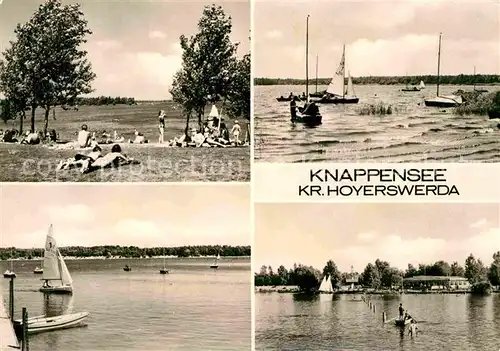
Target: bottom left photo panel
x=125, y=267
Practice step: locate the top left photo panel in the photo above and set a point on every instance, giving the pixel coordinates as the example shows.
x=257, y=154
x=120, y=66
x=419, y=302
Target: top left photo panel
x=118, y=91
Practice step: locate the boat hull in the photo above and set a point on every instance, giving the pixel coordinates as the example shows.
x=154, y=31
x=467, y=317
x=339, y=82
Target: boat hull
x=214, y=266
x=127, y=269
x=44, y=324
x=338, y=101
x=38, y=272
x=163, y=271
x=410, y=90
x=9, y=275
x=452, y=101
x=285, y=99
x=64, y=289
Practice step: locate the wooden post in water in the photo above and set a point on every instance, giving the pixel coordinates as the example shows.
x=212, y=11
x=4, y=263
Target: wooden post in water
x=373, y=308
x=384, y=317
x=25, y=345
x=11, y=299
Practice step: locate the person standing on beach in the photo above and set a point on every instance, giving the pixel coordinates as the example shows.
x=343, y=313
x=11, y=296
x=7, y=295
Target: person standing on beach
x=236, y=132
x=161, y=126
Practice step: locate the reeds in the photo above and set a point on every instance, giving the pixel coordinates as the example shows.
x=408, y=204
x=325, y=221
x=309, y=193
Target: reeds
x=379, y=109
x=478, y=103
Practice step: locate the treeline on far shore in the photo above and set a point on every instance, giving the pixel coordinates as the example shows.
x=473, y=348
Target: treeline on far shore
x=461, y=79
x=103, y=100
x=381, y=275
x=128, y=251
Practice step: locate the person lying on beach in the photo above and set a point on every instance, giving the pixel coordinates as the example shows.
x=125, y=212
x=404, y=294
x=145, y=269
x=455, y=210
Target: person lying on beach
x=10, y=136
x=211, y=138
x=118, y=139
x=181, y=141
x=31, y=138
x=139, y=138
x=197, y=139
x=113, y=159
x=84, y=137
x=79, y=160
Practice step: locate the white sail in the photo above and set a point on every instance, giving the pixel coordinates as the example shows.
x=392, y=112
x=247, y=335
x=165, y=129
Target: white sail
x=336, y=86
x=51, y=269
x=350, y=87
x=329, y=285
x=214, y=112
x=421, y=85
x=65, y=276
x=218, y=256
x=326, y=285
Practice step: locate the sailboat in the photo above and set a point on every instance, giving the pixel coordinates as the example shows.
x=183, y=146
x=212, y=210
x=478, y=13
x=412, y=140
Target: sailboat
x=164, y=270
x=411, y=89
x=421, y=85
x=9, y=273
x=38, y=270
x=337, y=92
x=326, y=285
x=54, y=268
x=309, y=114
x=215, y=265
x=442, y=101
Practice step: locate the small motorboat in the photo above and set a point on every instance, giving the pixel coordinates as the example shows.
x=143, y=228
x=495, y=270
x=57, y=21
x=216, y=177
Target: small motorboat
x=9, y=274
x=38, y=270
x=163, y=271
x=42, y=324
x=127, y=268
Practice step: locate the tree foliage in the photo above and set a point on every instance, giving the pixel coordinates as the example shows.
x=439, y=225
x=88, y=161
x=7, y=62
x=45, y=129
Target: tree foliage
x=475, y=271
x=494, y=271
x=210, y=69
x=45, y=66
x=331, y=270
x=239, y=95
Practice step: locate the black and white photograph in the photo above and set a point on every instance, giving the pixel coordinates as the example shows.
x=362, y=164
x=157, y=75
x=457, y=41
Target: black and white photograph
x=371, y=81
x=125, y=267
x=410, y=276
x=124, y=91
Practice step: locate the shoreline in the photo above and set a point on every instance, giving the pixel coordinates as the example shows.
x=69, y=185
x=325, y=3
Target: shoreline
x=119, y=258
x=295, y=290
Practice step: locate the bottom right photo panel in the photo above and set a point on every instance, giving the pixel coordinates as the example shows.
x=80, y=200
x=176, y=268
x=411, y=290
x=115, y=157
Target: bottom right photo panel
x=407, y=276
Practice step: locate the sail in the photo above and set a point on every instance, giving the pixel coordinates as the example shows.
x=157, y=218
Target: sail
x=329, y=285
x=214, y=112
x=336, y=86
x=326, y=285
x=51, y=260
x=65, y=276
x=218, y=256
x=421, y=85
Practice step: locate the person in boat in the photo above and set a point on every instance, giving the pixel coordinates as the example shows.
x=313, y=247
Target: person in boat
x=291, y=96
x=161, y=126
x=79, y=160
x=401, y=311
x=113, y=159
x=413, y=328
x=310, y=109
x=236, y=132
x=84, y=137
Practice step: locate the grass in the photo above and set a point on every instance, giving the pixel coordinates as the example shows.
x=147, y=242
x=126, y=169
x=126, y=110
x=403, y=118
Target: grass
x=37, y=163
x=379, y=109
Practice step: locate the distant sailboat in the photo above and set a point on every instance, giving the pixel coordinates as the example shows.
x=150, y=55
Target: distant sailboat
x=411, y=89
x=337, y=92
x=326, y=285
x=442, y=101
x=421, y=85
x=38, y=270
x=215, y=265
x=164, y=270
x=9, y=273
x=54, y=268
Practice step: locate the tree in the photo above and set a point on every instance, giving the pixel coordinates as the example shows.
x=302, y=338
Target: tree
x=370, y=277
x=494, y=271
x=307, y=278
x=333, y=272
x=457, y=270
x=411, y=271
x=239, y=95
x=45, y=64
x=208, y=64
x=475, y=271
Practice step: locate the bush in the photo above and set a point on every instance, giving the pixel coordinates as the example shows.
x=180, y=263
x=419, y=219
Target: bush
x=481, y=288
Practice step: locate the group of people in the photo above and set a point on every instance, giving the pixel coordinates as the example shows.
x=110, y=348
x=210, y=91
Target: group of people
x=310, y=108
x=404, y=316
x=30, y=138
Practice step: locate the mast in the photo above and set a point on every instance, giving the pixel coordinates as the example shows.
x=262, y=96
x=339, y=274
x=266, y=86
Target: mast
x=474, y=78
x=439, y=64
x=316, y=73
x=307, y=58
x=343, y=68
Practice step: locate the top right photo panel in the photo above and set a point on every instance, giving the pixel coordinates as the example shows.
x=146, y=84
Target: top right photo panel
x=399, y=81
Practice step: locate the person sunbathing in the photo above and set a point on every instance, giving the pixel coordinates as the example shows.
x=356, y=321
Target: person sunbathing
x=79, y=160
x=197, y=139
x=114, y=159
x=31, y=138
x=139, y=138
x=212, y=138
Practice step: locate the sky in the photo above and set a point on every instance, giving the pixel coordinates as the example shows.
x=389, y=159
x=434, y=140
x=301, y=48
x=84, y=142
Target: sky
x=397, y=37
x=134, y=48
x=357, y=234
x=140, y=215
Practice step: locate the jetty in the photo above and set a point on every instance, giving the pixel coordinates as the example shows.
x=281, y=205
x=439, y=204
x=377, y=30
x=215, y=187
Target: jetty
x=8, y=338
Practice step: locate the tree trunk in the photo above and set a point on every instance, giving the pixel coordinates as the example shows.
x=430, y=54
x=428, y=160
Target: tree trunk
x=21, y=121
x=186, y=130
x=33, y=110
x=46, y=120
x=200, y=115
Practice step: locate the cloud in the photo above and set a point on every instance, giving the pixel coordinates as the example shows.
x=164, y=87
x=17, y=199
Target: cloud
x=76, y=213
x=367, y=236
x=156, y=34
x=108, y=44
x=274, y=34
x=159, y=67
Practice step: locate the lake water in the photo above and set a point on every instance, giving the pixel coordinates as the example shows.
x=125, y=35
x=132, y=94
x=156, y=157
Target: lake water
x=192, y=308
x=334, y=322
x=413, y=133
